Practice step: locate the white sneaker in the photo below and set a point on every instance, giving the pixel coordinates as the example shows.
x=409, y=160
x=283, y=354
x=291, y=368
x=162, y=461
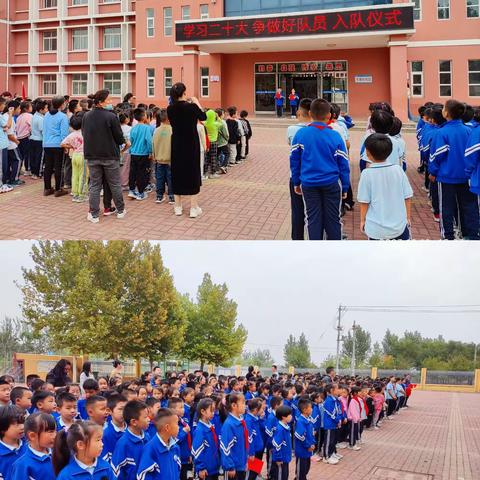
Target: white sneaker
x=376, y=428
x=195, y=212
x=355, y=447
x=338, y=456
x=332, y=460
x=92, y=219
x=122, y=214
x=342, y=445
x=178, y=211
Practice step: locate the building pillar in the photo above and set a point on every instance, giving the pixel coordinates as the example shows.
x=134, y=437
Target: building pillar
x=191, y=70
x=399, y=79
x=423, y=376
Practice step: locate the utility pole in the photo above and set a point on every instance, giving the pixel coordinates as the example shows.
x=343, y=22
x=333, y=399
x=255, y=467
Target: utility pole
x=475, y=356
x=354, y=341
x=339, y=337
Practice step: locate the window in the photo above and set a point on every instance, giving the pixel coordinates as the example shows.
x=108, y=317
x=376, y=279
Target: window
x=113, y=83
x=167, y=80
x=186, y=12
x=80, y=39
x=49, y=3
x=150, y=82
x=445, y=77
x=204, y=82
x=110, y=1
x=417, y=10
x=474, y=78
x=49, y=84
x=50, y=41
x=150, y=22
x=443, y=9
x=79, y=2
x=204, y=11
x=417, y=79
x=167, y=21
x=473, y=8
x=79, y=84
x=111, y=38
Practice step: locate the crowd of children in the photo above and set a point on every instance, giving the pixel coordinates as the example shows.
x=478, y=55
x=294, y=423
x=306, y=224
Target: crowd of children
x=42, y=138
x=188, y=424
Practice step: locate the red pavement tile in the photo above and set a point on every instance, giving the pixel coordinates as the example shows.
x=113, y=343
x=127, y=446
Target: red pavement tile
x=251, y=202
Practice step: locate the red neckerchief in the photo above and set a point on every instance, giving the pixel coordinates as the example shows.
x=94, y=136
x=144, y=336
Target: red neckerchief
x=214, y=433
x=189, y=437
x=278, y=95
x=245, y=433
x=292, y=96
x=319, y=127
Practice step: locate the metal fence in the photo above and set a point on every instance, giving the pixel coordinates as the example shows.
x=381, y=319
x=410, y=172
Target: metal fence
x=436, y=377
x=415, y=374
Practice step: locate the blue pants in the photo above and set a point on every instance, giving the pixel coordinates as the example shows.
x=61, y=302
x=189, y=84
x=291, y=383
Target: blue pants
x=4, y=165
x=453, y=198
x=163, y=174
x=25, y=148
x=323, y=205
x=293, y=109
x=298, y=214
x=14, y=161
x=279, y=109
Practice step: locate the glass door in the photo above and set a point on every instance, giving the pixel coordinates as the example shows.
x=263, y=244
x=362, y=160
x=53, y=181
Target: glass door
x=265, y=89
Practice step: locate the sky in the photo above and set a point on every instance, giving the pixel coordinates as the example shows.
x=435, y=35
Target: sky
x=284, y=288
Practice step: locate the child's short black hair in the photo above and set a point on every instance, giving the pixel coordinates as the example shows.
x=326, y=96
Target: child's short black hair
x=39, y=423
x=275, y=402
x=76, y=121
x=151, y=401
x=243, y=114
x=40, y=396
x=10, y=415
x=283, y=412
x=17, y=393
x=90, y=384
x=335, y=110
x=232, y=111
x=304, y=403
x=305, y=104
x=174, y=401
x=396, y=127
x=91, y=401
x=435, y=113
x=162, y=417
x=320, y=109
x=455, y=109
x=65, y=397
x=379, y=146
x=381, y=121
x=139, y=114
x=469, y=114
x=132, y=410
x=114, y=399
x=37, y=384
x=254, y=404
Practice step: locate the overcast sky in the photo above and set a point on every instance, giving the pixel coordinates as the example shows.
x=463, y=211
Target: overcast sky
x=284, y=287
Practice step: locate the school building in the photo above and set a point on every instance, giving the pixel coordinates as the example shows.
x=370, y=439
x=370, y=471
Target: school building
x=238, y=52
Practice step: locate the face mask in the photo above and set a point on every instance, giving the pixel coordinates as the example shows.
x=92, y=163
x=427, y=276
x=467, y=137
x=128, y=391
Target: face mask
x=108, y=107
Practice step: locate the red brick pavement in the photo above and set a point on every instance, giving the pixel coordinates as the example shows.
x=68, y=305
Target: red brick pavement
x=251, y=202
x=437, y=438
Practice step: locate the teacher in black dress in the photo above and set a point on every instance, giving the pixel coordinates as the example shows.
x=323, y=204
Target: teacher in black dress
x=184, y=114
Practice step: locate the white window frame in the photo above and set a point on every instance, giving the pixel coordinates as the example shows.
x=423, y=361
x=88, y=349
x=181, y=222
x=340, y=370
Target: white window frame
x=440, y=84
x=110, y=1
x=421, y=84
x=184, y=9
x=442, y=7
x=79, y=2
x=468, y=77
x=49, y=4
x=204, y=15
x=473, y=3
x=79, y=84
x=112, y=81
x=417, y=8
x=150, y=82
x=168, y=21
x=49, y=81
x=150, y=15
x=82, y=38
x=49, y=41
x=109, y=35
x=167, y=80
x=204, y=78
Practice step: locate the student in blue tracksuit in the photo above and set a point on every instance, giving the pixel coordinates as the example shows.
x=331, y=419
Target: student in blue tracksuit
x=472, y=156
x=77, y=453
x=271, y=426
x=12, y=445
x=294, y=99
x=321, y=172
x=67, y=410
x=331, y=423
x=304, y=438
x=205, y=446
x=127, y=453
x=279, y=100
x=153, y=405
x=160, y=459
x=256, y=408
x=447, y=166
x=90, y=387
x=282, y=444
x=316, y=418
x=251, y=391
x=116, y=426
x=36, y=463
x=234, y=444
x=184, y=438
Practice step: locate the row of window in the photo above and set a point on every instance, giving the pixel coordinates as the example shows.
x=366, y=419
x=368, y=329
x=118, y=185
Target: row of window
x=443, y=9
x=112, y=39
x=168, y=18
x=111, y=81
x=445, y=78
x=54, y=3
x=168, y=81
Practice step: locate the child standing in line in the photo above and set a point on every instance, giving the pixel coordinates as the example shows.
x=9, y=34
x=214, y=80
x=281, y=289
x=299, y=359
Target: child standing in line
x=282, y=444
x=36, y=139
x=271, y=426
x=223, y=150
x=67, y=409
x=40, y=432
x=125, y=153
x=90, y=388
x=23, y=131
x=378, y=402
x=140, y=154
x=21, y=397
x=256, y=408
x=184, y=437
x=115, y=427
x=44, y=402
x=243, y=142
x=14, y=159
x=304, y=438
x=162, y=154
x=247, y=129
x=233, y=134
x=12, y=446
x=331, y=423
x=472, y=155
x=354, y=418
x=77, y=453
x=153, y=408
x=202, y=135
x=211, y=126
x=96, y=407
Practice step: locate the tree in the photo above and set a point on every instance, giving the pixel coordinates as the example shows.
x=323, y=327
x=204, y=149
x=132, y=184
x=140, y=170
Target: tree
x=113, y=298
x=212, y=335
x=377, y=357
x=362, y=345
x=297, y=352
x=260, y=358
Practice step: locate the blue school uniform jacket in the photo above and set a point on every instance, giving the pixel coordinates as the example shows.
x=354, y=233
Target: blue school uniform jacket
x=205, y=449
x=331, y=418
x=472, y=160
x=8, y=458
x=73, y=470
x=270, y=429
x=159, y=461
x=126, y=456
x=250, y=395
x=111, y=435
x=82, y=411
x=217, y=423
x=187, y=415
x=151, y=430
x=304, y=438
x=319, y=157
x=233, y=453
x=254, y=434
x=429, y=131
x=184, y=441
x=447, y=153
x=282, y=444
x=32, y=467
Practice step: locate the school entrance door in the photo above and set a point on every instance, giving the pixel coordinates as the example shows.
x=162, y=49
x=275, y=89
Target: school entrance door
x=328, y=80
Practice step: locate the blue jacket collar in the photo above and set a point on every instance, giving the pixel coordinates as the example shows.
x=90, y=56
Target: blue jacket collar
x=76, y=469
x=134, y=438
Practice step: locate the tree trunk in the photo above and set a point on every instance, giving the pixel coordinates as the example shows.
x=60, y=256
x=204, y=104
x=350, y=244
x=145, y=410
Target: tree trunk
x=202, y=363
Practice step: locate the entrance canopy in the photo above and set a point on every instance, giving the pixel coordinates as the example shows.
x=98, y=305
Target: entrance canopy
x=360, y=27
